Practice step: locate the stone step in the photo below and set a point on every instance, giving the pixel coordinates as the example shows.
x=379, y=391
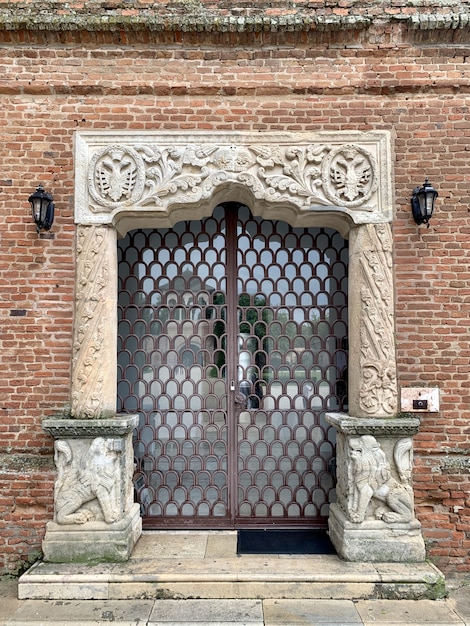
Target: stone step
x=205, y=565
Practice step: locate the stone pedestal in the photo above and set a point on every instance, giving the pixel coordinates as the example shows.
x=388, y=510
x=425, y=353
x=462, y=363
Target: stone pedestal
x=95, y=517
x=93, y=541
x=374, y=540
x=373, y=518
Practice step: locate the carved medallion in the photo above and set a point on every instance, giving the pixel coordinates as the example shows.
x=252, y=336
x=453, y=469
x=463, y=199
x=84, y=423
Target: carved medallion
x=349, y=175
x=116, y=177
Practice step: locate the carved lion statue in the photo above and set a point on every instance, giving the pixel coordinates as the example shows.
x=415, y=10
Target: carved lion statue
x=81, y=481
x=370, y=477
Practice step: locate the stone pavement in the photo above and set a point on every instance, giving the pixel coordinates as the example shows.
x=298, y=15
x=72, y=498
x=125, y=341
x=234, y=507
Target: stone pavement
x=453, y=611
x=175, y=565
x=197, y=578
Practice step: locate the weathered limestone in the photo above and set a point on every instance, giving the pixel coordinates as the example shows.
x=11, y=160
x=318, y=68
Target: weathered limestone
x=94, y=382
x=373, y=390
x=95, y=516
x=373, y=518
x=154, y=180
x=187, y=564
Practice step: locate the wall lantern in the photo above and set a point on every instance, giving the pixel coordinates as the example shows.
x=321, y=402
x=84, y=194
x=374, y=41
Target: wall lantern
x=42, y=208
x=422, y=203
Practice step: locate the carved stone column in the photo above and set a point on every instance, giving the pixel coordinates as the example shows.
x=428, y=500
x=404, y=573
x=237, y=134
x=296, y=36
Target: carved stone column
x=373, y=388
x=95, y=515
x=373, y=518
x=94, y=512
x=95, y=329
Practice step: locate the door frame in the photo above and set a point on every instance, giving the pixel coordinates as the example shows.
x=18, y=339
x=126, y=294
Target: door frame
x=340, y=180
x=163, y=178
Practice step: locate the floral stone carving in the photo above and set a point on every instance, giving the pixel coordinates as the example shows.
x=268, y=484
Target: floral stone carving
x=142, y=176
x=93, y=386
x=378, y=391
x=346, y=172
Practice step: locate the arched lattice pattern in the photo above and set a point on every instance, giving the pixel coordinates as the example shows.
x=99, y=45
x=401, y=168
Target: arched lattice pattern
x=232, y=345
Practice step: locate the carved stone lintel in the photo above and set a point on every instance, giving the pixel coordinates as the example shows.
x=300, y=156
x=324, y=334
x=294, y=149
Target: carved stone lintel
x=345, y=172
x=147, y=175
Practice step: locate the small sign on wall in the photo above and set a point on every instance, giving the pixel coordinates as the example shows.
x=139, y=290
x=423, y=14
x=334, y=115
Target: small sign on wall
x=420, y=399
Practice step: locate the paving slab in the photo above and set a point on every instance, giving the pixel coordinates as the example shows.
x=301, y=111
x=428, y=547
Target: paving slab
x=81, y=613
x=201, y=612
x=170, y=546
x=9, y=602
x=310, y=612
x=221, y=546
x=409, y=612
x=454, y=611
x=459, y=600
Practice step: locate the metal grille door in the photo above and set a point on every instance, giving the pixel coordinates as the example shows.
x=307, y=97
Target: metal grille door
x=232, y=345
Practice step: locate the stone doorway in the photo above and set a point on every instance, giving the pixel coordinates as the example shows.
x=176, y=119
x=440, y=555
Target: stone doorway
x=342, y=181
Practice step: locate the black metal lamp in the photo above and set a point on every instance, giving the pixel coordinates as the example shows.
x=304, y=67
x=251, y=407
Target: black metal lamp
x=422, y=203
x=42, y=208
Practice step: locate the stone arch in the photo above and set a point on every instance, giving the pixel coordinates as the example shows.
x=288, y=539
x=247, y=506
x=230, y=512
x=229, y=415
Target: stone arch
x=231, y=191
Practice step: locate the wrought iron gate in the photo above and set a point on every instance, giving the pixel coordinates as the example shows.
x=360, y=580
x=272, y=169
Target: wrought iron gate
x=232, y=345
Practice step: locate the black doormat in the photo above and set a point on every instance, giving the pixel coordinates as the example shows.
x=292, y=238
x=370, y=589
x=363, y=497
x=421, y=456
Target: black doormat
x=284, y=542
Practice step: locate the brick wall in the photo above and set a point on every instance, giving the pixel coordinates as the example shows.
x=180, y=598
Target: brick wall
x=412, y=82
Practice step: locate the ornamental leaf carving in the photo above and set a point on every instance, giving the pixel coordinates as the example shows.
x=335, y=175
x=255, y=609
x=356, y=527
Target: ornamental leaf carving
x=378, y=389
x=92, y=278
x=166, y=176
x=151, y=176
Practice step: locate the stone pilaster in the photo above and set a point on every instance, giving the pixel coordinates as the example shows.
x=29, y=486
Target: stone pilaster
x=95, y=326
x=95, y=517
x=373, y=390
x=373, y=518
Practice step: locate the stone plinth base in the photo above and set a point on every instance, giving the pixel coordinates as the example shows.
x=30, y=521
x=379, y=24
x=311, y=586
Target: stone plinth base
x=94, y=541
x=375, y=541
x=95, y=517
